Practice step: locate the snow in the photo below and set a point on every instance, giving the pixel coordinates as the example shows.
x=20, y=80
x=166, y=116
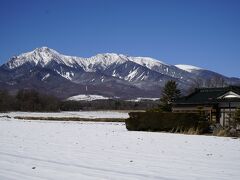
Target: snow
x=46, y=76
x=67, y=75
x=142, y=76
x=142, y=99
x=131, y=75
x=114, y=73
x=34, y=150
x=84, y=97
x=229, y=94
x=188, y=68
x=147, y=61
x=100, y=61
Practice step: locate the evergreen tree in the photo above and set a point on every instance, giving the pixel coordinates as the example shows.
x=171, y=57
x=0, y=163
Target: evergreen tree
x=169, y=93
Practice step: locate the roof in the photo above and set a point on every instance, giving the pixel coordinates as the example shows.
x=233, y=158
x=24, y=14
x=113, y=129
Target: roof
x=210, y=96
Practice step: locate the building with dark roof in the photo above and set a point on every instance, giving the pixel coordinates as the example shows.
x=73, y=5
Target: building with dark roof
x=219, y=104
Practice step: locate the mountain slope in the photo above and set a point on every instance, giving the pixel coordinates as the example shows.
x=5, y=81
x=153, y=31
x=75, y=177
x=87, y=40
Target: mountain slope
x=106, y=74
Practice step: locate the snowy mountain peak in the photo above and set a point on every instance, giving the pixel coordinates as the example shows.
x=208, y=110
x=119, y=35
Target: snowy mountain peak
x=147, y=61
x=45, y=49
x=121, y=58
x=110, y=56
x=44, y=55
x=39, y=56
x=188, y=68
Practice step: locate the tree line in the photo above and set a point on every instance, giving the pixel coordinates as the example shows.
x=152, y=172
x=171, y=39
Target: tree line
x=33, y=101
x=28, y=100
x=110, y=104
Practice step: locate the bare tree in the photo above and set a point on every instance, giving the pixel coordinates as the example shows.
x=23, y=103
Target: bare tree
x=215, y=81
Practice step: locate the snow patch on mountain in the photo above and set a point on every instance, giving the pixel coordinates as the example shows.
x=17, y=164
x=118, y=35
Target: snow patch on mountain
x=45, y=77
x=68, y=75
x=147, y=61
x=188, y=68
x=131, y=75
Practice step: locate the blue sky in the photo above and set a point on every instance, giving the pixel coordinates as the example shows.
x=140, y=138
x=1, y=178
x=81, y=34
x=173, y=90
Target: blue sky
x=204, y=33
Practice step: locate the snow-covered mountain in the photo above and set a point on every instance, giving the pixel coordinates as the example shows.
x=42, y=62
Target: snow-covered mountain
x=106, y=74
x=112, y=64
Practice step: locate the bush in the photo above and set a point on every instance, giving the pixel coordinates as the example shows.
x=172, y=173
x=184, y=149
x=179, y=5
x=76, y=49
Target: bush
x=171, y=122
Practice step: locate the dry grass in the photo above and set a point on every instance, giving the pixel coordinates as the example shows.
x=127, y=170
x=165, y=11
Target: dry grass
x=193, y=131
x=70, y=119
x=222, y=132
x=5, y=116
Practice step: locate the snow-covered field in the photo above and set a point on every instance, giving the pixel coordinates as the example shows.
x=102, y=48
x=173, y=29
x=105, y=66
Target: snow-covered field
x=35, y=150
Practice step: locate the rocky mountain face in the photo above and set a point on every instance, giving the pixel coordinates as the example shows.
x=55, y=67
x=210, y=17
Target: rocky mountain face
x=109, y=74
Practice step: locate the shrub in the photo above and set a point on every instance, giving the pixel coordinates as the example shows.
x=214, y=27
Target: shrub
x=159, y=121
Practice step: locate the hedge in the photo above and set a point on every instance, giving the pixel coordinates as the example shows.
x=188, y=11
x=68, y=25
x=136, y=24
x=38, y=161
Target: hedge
x=163, y=121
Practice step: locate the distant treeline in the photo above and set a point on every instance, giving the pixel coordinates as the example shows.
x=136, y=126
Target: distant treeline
x=111, y=104
x=28, y=100
x=31, y=100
